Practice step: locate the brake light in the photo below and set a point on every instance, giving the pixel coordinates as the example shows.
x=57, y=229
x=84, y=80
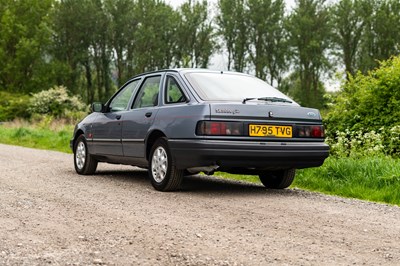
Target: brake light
x=311, y=131
x=212, y=128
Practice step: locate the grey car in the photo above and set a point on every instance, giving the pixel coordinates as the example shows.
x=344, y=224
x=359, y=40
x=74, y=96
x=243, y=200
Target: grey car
x=184, y=121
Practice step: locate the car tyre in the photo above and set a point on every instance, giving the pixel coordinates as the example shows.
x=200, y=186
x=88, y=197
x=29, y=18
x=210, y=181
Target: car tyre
x=84, y=162
x=278, y=179
x=163, y=173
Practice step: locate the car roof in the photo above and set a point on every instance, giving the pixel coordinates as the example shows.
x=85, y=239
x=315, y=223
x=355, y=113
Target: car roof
x=188, y=70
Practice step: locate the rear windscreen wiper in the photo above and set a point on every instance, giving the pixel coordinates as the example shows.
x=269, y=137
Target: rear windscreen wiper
x=268, y=99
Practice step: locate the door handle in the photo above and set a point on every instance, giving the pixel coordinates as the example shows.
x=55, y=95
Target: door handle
x=148, y=114
x=118, y=117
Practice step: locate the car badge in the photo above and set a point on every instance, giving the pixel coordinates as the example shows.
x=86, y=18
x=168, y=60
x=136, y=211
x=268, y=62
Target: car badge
x=311, y=114
x=270, y=114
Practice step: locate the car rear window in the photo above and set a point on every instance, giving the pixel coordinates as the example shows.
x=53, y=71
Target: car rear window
x=227, y=86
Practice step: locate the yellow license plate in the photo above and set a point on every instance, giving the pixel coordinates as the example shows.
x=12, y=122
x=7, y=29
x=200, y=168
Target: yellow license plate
x=270, y=131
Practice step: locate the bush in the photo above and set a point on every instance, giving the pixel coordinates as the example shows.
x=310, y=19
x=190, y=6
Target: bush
x=13, y=106
x=364, y=117
x=385, y=141
x=57, y=103
x=368, y=102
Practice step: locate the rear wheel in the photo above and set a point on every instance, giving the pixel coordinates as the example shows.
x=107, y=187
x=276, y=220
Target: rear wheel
x=84, y=162
x=278, y=179
x=163, y=173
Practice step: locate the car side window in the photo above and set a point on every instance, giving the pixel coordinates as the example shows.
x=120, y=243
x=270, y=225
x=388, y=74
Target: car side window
x=121, y=101
x=148, y=93
x=173, y=93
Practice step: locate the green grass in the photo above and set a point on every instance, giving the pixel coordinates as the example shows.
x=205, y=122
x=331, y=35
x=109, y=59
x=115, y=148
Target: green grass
x=40, y=138
x=368, y=178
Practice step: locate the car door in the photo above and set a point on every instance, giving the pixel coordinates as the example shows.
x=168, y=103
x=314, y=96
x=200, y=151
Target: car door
x=138, y=120
x=108, y=125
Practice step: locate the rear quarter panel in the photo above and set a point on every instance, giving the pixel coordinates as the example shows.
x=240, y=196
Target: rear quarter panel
x=179, y=121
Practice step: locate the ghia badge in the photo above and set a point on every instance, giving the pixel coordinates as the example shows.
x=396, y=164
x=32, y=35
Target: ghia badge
x=227, y=111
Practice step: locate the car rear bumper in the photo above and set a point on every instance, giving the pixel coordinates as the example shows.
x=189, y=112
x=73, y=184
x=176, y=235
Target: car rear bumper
x=248, y=154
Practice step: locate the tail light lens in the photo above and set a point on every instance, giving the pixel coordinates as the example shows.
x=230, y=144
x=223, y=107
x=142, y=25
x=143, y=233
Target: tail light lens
x=218, y=128
x=212, y=128
x=311, y=131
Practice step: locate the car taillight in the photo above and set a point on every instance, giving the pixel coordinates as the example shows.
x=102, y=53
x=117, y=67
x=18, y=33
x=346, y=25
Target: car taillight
x=212, y=128
x=310, y=131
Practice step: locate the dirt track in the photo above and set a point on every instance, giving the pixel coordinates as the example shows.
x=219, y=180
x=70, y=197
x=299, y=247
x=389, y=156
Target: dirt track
x=50, y=215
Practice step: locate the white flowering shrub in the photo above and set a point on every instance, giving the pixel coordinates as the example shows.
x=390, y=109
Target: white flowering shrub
x=57, y=103
x=359, y=143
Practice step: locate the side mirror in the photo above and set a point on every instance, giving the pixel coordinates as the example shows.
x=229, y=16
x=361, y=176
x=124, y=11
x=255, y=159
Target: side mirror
x=97, y=107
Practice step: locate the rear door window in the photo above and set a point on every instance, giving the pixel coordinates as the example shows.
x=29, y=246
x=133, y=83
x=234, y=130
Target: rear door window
x=148, y=93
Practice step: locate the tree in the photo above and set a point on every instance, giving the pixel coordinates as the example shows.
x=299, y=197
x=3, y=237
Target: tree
x=123, y=24
x=71, y=44
x=381, y=38
x=195, y=35
x=348, y=28
x=101, y=49
x=232, y=27
x=25, y=38
x=267, y=38
x=155, y=36
x=309, y=33
x=82, y=46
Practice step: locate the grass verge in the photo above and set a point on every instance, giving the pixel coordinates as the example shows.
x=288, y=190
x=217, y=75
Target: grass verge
x=48, y=137
x=368, y=178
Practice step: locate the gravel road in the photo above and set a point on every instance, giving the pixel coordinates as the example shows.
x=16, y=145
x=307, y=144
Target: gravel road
x=50, y=215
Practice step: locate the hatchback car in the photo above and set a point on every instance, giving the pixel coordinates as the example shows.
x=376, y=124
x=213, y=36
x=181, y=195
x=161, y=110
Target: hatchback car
x=184, y=121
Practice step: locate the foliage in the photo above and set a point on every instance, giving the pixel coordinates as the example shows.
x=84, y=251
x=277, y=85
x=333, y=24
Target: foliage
x=309, y=34
x=268, y=39
x=356, y=144
x=348, y=16
x=13, y=105
x=25, y=35
x=195, y=35
x=155, y=32
x=368, y=102
x=231, y=21
x=57, y=103
x=385, y=141
x=381, y=38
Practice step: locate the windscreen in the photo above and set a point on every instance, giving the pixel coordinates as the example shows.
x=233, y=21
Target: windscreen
x=231, y=87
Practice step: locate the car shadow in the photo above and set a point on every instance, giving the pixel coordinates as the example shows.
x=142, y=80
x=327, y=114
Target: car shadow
x=198, y=184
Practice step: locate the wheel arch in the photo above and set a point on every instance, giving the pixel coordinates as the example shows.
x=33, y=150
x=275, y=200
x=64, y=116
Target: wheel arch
x=151, y=139
x=77, y=134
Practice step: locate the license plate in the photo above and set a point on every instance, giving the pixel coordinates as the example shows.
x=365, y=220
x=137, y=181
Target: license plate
x=270, y=131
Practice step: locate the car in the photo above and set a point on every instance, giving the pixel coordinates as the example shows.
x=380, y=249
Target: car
x=180, y=122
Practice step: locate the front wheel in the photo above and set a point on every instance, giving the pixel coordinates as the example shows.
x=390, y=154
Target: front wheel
x=278, y=179
x=84, y=162
x=163, y=173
